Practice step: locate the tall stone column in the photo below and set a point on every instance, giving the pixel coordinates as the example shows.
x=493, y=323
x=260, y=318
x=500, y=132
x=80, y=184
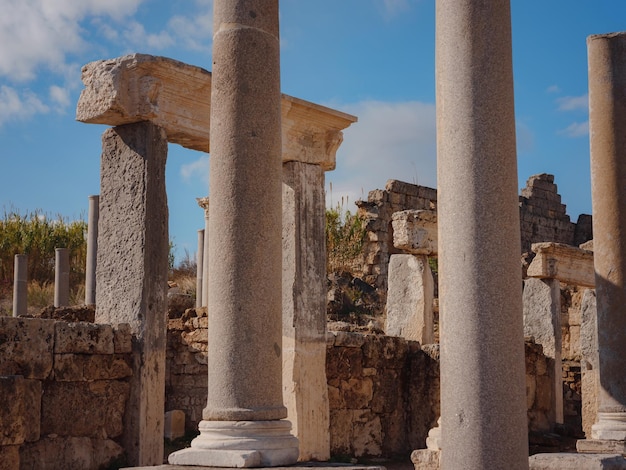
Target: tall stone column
x=61, y=277
x=132, y=270
x=92, y=249
x=607, y=126
x=204, y=203
x=243, y=421
x=483, y=402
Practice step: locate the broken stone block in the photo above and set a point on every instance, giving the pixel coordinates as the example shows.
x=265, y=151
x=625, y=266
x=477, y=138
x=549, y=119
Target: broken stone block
x=415, y=231
x=26, y=346
x=410, y=299
x=568, y=264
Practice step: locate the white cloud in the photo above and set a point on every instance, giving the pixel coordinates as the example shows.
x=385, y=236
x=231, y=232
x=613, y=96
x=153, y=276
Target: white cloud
x=18, y=106
x=42, y=32
x=576, y=129
x=196, y=169
x=573, y=103
x=390, y=141
x=60, y=96
x=135, y=35
x=195, y=32
x=395, y=7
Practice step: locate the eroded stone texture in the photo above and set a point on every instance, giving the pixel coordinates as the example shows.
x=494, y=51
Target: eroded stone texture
x=13, y=429
x=9, y=457
x=26, y=346
x=305, y=392
x=482, y=345
x=131, y=271
x=415, y=231
x=83, y=338
x=410, y=299
x=568, y=264
x=589, y=361
x=70, y=453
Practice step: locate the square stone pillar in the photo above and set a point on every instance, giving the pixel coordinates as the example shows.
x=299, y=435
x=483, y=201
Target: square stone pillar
x=542, y=320
x=305, y=389
x=131, y=272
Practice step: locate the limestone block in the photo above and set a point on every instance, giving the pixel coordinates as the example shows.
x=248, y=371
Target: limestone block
x=410, y=299
x=367, y=438
x=79, y=367
x=426, y=459
x=177, y=97
x=174, y=424
x=589, y=361
x=86, y=409
x=415, y=231
x=122, y=338
x=9, y=457
x=542, y=313
x=12, y=418
x=83, y=338
x=26, y=346
x=568, y=264
x=70, y=453
x=568, y=461
x=32, y=393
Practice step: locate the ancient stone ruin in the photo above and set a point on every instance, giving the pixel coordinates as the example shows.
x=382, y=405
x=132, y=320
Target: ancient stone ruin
x=253, y=369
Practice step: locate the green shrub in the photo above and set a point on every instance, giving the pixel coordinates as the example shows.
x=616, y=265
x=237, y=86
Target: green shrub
x=345, y=234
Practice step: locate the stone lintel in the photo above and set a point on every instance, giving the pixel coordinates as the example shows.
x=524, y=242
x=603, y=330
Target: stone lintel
x=601, y=446
x=568, y=264
x=177, y=97
x=415, y=231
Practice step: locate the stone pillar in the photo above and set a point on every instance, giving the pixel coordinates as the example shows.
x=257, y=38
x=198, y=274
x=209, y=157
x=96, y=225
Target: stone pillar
x=92, y=250
x=542, y=320
x=62, y=277
x=200, y=268
x=607, y=126
x=304, y=308
x=20, y=285
x=243, y=422
x=204, y=203
x=483, y=400
x=131, y=272
x=589, y=361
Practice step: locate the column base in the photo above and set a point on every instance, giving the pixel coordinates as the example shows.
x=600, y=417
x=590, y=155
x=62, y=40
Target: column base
x=238, y=444
x=596, y=446
x=610, y=427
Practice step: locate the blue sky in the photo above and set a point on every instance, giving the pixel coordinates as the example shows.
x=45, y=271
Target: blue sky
x=371, y=58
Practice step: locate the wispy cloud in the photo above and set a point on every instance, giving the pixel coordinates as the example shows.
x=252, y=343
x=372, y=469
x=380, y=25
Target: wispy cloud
x=198, y=169
x=16, y=105
x=573, y=103
x=390, y=141
x=60, y=96
x=576, y=129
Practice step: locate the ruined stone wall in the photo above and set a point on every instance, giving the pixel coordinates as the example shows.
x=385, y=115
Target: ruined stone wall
x=383, y=391
x=64, y=388
x=542, y=219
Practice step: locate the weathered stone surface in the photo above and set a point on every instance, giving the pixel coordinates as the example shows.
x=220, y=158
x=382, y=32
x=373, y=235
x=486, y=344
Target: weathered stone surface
x=426, y=459
x=568, y=264
x=410, y=299
x=12, y=419
x=570, y=461
x=26, y=346
x=415, y=231
x=89, y=409
x=122, y=338
x=32, y=393
x=83, y=338
x=589, y=361
x=78, y=367
x=70, y=453
x=177, y=97
x=9, y=457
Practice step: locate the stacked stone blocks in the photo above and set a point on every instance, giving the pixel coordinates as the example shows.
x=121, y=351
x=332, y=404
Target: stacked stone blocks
x=64, y=388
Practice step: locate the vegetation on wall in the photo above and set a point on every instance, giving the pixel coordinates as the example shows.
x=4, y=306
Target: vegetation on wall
x=345, y=233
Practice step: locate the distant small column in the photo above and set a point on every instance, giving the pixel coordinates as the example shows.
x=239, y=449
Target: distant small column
x=204, y=203
x=200, y=268
x=62, y=277
x=92, y=249
x=20, y=285
x=607, y=130
x=483, y=393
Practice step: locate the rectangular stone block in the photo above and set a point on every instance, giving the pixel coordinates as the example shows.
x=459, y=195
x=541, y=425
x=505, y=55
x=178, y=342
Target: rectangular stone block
x=122, y=338
x=415, y=231
x=568, y=264
x=32, y=409
x=89, y=409
x=65, y=453
x=9, y=457
x=26, y=346
x=83, y=338
x=82, y=367
x=12, y=412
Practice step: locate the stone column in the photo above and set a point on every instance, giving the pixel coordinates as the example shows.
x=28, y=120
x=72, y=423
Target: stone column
x=62, y=277
x=200, y=268
x=20, y=285
x=132, y=271
x=483, y=402
x=92, y=250
x=243, y=422
x=304, y=308
x=607, y=126
x=204, y=203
